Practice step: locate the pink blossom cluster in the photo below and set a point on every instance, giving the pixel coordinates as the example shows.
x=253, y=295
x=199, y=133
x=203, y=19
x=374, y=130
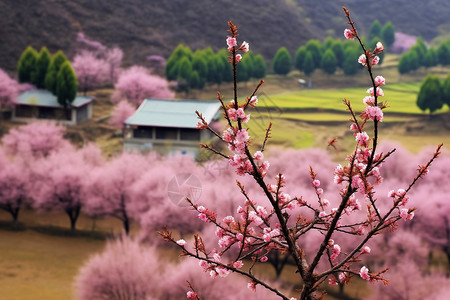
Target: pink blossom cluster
x=232, y=47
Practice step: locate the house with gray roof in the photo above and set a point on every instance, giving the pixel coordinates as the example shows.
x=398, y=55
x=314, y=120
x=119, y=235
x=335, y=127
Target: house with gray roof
x=169, y=126
x=41, y=104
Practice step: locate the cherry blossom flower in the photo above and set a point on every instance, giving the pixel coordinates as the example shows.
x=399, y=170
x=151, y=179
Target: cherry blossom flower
x=231, y=42
x=349, y=35
x=245, y=46
x=181, y=242
x=364, y=273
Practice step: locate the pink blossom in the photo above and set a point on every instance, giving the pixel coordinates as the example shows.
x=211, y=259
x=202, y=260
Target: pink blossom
x=316, y=183
x=253, y=101
x=181, y=242
x=353, y=127
x=222, y=272
x=261, y=211
x=202, y=217
x=259, y=156
x=391, y=193
x=245, y=46
x=379, y=91
x=228, y=219
x=375, y=60
x=364, y=273
x=231, y=42
x=238, y=57
x=228, y=135
x=379, y=48
x=342, y=276
x=406, y=215
x=251, y=285
x=369, y=100
x=349, y=35
x=379, y=81
x=191, y=295
x=201, y=209
x=232, y=114
x=242, y=135
x=332, y=281
x=284, y=197
x=319, y=191
x=374, y=112
x=362, y=59
x=204, y=264
x=366, y=249
x=362, y=138
x=336, y=252
x=238, y=264
x=264, y=259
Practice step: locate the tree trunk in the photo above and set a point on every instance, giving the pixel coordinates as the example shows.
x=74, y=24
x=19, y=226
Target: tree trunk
x=73, y=216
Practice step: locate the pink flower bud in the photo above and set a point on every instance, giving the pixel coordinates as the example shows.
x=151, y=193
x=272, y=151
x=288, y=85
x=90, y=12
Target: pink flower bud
x=349, y=35
x=191, y=295
x=316, y=183
x=364, y=273
x=245, y=46
x=238, y=57
x=264, y=259
x=231, y=42
x=379, y=81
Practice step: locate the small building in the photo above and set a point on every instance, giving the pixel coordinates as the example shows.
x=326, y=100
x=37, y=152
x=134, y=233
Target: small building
x=169, y=126
x=41, y=104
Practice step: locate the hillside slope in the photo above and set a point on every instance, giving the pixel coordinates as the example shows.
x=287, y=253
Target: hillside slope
x=145, y=27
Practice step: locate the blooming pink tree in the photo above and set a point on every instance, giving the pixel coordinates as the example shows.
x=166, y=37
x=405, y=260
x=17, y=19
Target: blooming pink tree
x=62, y=182
x=125, y=270
x=110, y=191
x=91, y=71
x=36, y=139
x=282, y=221
x=122, y=111
x=14, y=187
x=8, y=90
x=135, y=84
x=110, y=58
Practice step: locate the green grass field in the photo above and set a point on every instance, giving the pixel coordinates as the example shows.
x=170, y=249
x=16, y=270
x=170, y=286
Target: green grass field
x=401, y=98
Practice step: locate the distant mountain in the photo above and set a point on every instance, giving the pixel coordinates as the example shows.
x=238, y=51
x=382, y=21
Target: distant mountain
x=145, y=27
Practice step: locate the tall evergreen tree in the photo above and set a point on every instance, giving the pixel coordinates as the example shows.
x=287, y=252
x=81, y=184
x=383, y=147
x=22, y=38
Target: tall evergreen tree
x=338, y=51
x=329, y=62
x=315, y=48
x=431, y=58
x=443, y=53
x=171, y=64
x=260, y=67
x=227, y=73
x=446, y=90
x=375, y=30
x=388, y=34
x=26, y=65
x=351, y=55
x=199, y=64
x=53, y=69
x=327, y=43
x=430, y=94
x=282, y=61
x=42, y=63
x=309, y=66
x=66, y=86
x=300, y=55
x=404, y=65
